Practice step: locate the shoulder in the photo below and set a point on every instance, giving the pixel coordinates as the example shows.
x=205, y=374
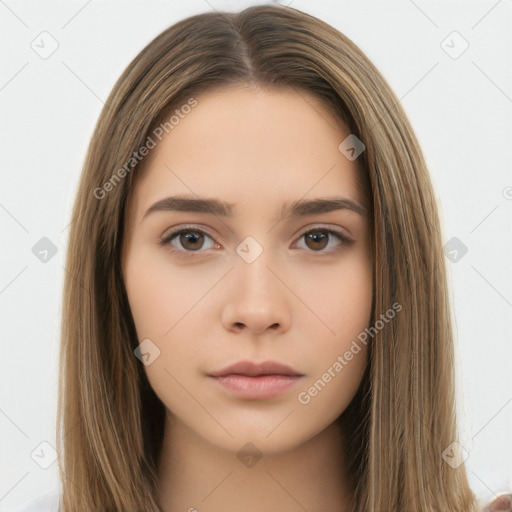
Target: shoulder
x=501, y=503
x=48, y=502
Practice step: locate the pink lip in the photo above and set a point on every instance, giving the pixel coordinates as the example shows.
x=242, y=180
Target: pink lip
x=257, y=380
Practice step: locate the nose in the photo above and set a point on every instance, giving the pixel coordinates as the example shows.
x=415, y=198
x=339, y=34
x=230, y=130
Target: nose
x=257, y=298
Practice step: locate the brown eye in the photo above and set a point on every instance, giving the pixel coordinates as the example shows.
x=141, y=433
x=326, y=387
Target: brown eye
x=191, y=240
x=316, y=240
x=187, y=240
x=319, y=240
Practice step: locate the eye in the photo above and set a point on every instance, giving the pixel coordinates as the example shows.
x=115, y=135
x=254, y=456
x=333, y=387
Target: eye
x=318, y=238
x=191, y=240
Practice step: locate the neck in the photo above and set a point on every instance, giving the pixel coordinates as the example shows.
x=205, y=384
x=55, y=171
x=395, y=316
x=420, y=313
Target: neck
x=195, y=475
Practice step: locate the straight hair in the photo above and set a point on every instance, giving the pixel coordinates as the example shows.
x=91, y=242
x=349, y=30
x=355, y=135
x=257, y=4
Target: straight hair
x=402, y=418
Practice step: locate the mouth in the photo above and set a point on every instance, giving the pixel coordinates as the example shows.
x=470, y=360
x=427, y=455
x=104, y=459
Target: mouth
x=252, y=369
x=250, y=380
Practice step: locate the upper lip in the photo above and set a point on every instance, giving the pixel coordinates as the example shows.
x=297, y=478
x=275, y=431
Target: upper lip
x=253, y=369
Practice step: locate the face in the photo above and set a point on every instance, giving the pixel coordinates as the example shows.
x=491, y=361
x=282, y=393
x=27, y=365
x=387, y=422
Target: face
x=251, y=279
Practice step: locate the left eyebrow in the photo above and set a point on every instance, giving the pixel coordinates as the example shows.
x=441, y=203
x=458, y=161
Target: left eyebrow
x=304, y=207
x=299, y=208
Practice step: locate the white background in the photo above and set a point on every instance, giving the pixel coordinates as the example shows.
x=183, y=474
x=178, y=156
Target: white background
x=460, y=108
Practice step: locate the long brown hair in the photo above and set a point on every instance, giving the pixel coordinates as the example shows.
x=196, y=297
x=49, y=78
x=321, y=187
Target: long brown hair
x=403, y=417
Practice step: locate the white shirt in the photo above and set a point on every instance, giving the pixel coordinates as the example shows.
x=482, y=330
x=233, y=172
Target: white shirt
x=48, y=502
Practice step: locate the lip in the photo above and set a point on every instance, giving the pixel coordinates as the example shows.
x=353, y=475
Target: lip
x=257, y=381
x=253, y=369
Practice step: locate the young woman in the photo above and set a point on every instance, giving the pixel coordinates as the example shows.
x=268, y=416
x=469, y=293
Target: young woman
x=255, y=307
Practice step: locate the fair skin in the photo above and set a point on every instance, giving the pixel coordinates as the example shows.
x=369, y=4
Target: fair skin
x=301, y=302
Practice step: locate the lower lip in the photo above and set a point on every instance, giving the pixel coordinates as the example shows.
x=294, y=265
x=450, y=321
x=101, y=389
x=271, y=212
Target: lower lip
x=264, y=386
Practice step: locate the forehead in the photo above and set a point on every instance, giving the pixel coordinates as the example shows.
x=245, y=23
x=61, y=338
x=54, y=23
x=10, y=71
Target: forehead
x=248, y=145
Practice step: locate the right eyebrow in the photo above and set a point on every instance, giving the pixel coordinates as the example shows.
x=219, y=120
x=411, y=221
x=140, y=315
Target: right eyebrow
x=188, y=204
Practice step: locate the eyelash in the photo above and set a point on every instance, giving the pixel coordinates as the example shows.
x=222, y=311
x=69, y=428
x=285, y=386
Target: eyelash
x=164, y=241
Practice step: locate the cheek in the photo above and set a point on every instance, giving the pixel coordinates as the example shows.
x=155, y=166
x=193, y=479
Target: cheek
x=170, y=306
x=340, y=298
x=343, y=309
x=326, y=395
x=160, y=294
x=149, y=301
x=339, y=358
x=162, y=303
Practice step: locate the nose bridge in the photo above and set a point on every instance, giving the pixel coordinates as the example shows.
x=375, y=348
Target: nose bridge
x=253, y=263
x=257, y=299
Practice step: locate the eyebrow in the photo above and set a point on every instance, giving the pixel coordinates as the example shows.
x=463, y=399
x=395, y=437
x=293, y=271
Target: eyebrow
x=299, y=208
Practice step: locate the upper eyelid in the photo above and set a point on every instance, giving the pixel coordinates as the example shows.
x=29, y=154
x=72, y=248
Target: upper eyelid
x=206, y=230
